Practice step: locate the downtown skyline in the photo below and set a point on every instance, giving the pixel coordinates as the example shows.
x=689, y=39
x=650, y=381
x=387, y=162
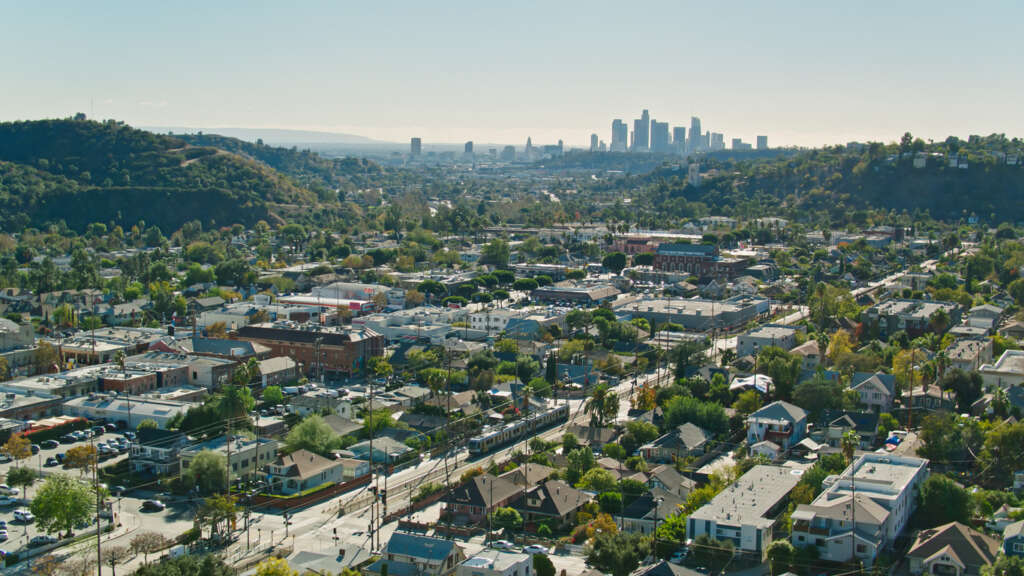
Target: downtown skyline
x=805, y=73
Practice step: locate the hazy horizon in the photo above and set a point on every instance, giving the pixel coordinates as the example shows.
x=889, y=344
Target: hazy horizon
x=802, y=73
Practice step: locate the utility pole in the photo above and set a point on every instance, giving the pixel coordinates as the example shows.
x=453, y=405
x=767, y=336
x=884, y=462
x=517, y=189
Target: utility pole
x=96, y=487
x=369, y=426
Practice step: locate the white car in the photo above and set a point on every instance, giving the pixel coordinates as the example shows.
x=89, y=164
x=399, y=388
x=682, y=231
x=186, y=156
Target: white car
x=5, y=489
x=3, y=535
x=23, y=515
x=502, y=545
x=678, y=556
x=535, y=549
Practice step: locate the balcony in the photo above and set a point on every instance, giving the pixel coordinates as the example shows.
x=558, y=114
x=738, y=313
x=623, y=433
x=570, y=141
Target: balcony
x=807, y=527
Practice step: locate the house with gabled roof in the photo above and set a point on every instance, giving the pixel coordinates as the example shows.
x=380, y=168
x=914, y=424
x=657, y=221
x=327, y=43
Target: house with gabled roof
x=780, y=422
x=417, y=555
x=876, y=390
x=471, y=501
x=952, y=549
x=302, y=470
x=553, y=502
x=686, y=440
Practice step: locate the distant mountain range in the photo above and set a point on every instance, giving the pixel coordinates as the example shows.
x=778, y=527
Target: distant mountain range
x=271, y=136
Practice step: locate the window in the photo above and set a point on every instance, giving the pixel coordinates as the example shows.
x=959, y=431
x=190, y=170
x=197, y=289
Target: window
x=861, y=548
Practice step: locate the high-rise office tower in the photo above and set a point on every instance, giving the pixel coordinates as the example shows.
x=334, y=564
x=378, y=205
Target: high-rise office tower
x=642, y=132
x=469, y=147
x=620, y=136
x=529, y=147
x=762, y=142
x=707, y=140
x=717, y=141
x=593, y=142
x=679, y=139
x=415, y=147
x=659, y=137
x=602, y=146
x=695, y=137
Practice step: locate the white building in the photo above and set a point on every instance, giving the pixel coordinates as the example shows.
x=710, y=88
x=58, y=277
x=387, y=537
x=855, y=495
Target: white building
x=490, y=562
x=131, y=410
x=753, y=341
x=1008, y=371
x=885, y=490
x=745, y=512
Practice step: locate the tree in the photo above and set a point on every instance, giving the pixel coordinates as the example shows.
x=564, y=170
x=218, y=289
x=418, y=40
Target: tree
x=45, y=357
x=78, y=565
x=80, y=457
x=747, y=402
x=569, y=443
x=780, y=555
x=619, y=553
x=380, y=367
x=496, y=253
x=272, y=395
x=943, y=501
x=114, y=555
x=711, y=553
x=1005, y=566
x=687, y=354
x=542, y=565
x=275, y=567
x=850, y=441
x=217, y=510
x=17, y=447
x=818, y=394
x=598, y=480
x=312, y=434
x=1001, y=453
x=580, y=461
x=503, y=518
x=22, y=476
x=62, y=503
x=217, y=330
x=525, y=284
x=782, y=367
x=414, y=298
x=966, y=386
x=207, y=565
x=610, y=502
x=839, y=346
x=147, y=543
x=208, y=472
x=148, y=423
x=602, y=404
x=236, y=402
x=615, y=262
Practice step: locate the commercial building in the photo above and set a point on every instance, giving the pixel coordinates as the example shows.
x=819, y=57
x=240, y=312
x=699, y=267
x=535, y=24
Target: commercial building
x=247, y=458
x=911, y=316
x=415, y=147
x=746, y=511
x=642, y=132
x=489, y=562
x=334, y=351
x=659, y=137
x=702, y=260
x=575, y=294
x=863, y=510
x=697, y=314
x=762, y=142
x=126, y=409
x=753, y=341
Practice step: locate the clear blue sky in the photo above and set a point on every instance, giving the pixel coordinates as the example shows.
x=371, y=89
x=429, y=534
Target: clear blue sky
x=807, y=73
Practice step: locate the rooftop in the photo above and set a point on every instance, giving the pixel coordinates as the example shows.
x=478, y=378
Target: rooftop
x=749, y=499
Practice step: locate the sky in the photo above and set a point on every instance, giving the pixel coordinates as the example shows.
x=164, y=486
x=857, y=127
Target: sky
x=803, y=73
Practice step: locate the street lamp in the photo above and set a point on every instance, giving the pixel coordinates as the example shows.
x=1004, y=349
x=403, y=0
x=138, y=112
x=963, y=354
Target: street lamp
x=657, y=512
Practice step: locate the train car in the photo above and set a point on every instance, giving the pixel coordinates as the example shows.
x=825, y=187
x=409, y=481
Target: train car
x=497, y=436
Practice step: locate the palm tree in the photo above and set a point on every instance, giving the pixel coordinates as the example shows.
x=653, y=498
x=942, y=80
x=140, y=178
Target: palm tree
x=849, y=442
x=596, y=403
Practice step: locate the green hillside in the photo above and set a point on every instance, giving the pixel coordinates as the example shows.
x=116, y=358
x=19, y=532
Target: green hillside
x=81, y=171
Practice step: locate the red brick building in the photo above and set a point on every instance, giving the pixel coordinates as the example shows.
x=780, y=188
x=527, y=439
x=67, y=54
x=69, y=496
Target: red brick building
x=343, y=352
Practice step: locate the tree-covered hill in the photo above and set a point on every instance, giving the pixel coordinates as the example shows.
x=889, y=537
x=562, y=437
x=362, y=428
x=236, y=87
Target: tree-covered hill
x=81, y=171
x=832, y=184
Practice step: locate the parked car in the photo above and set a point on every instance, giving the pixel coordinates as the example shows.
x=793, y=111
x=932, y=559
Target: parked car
x=535, y=549
x=41, y=540
x=153, y=506
x=118, y=490
x=49, y=444
x=129, y=435
x=23, y=515
x=5, y=489
x=35, y=449
x=60, y=457
x=68, y=438
x=6, y=500
x=51, y=462
x=111, y=427
x=502, y=545
x=3, y=525
x=679, y=556
x=99, y=430
x=5, y=458
x=3, y=535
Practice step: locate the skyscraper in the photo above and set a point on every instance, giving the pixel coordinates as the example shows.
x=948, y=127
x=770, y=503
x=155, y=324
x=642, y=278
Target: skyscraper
x=593, y=142
x=762, y=142
x=529, y=148
x=642, y=132
x=717, y=141
x=679, y=139
x=469, y=147
x=620, y=136
x=695, y=138
x=659, y=137
x=415, y=147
